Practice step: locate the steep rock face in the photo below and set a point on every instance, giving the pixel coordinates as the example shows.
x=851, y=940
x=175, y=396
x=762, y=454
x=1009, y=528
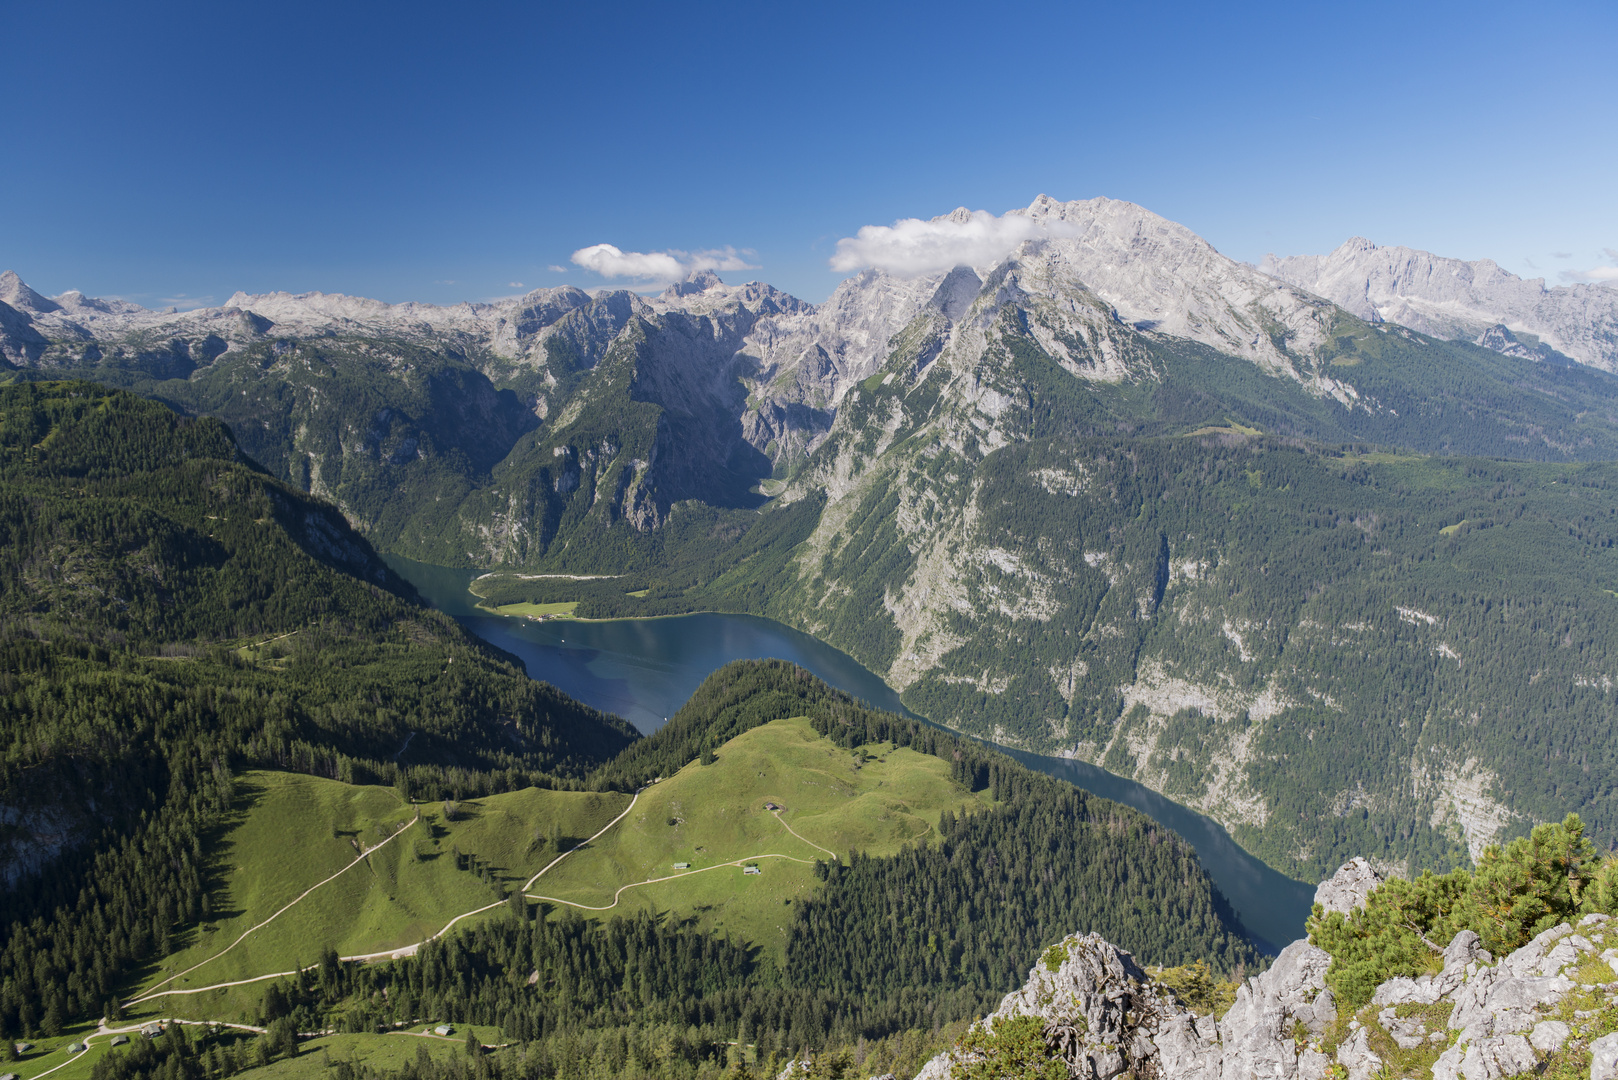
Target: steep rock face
x=998, y=544
x=1476, y=1019
x=401, y=413
x=20, y=344
x=1160, y=276
x=1450, y=298
x=1347, y=889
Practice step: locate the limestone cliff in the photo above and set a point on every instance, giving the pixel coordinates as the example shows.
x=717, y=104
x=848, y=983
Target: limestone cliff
x=1552, y=1001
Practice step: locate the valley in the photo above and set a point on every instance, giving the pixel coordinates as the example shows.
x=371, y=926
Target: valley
x=254, y=788
x=1183, y=532
x=1189, y=523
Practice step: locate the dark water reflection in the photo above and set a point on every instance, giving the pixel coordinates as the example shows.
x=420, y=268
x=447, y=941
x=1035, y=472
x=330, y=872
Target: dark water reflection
x=645, y=669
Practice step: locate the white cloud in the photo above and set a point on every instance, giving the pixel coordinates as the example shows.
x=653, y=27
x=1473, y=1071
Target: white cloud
x=1612, y=253
x=553, y=268
x=182, y=302
x=911, y=247
x=1598, y=274
x=515, y=285
x=657, y=266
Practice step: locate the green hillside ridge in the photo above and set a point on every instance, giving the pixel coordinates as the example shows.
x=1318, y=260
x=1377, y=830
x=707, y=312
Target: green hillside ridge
x=423, y=868
x=1010, y=859
x=898, y=950
x=873, y=799
x=293, y=887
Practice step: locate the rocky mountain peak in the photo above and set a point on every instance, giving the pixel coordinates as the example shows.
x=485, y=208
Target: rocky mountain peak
x=698, y=281
x=956, y=292
x=15, y=292
x=1347, y=889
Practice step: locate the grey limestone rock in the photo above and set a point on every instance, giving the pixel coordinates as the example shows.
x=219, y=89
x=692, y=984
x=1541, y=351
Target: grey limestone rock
x=1355, y=1055
x=1313, y=1065
x=1529, y=959
x=1451, y=298
x=1408, y=1032
x=1604, y=1058
x=1490, y=1058
x=1549, y=1035
x=1463, y=951
x=1347, y=889
x=1495, y=1002
x=1107, y=1019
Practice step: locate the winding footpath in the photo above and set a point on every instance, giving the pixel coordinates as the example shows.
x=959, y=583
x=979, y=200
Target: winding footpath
x=386, y=954
x=673, y=877
x=103, y=1031
x=800, y=836
x=684, y=874
x=365, y=854
x=408, y=950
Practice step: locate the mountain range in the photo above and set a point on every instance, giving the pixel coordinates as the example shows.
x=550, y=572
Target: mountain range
x=1243, y=533
x=1449, y=298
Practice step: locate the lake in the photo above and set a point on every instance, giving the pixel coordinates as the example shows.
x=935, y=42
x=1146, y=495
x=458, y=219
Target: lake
x=645, y=669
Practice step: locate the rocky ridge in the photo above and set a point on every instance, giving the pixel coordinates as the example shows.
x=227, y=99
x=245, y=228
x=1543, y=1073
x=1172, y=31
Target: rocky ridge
x=1454, y=299
x=1478, y=1018
x=1099, y=265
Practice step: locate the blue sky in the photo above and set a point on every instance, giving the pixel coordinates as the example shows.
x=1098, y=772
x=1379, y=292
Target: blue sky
x=177, y=152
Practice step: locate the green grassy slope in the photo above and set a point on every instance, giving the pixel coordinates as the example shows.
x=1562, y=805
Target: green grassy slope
x=291, y=833
x=873, y=799
x=959, y=868
x=387, y=1052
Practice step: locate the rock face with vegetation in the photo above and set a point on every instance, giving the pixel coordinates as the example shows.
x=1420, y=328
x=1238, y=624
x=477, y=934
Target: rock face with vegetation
x=1369, y=995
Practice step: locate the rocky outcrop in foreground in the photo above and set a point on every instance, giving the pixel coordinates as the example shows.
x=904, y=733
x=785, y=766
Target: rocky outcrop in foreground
x=1477, y=1018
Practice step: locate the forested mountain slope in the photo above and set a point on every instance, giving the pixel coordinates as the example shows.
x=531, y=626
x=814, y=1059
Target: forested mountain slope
x=1242, y=621
x=170, y=614
x=1332, y=651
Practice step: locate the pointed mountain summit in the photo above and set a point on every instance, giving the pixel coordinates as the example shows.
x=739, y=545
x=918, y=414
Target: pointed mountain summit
x=697, y=281
x=15, y=292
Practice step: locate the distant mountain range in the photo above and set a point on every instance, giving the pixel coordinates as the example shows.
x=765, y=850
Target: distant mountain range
x=1474, y=301
x=1339, y=582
